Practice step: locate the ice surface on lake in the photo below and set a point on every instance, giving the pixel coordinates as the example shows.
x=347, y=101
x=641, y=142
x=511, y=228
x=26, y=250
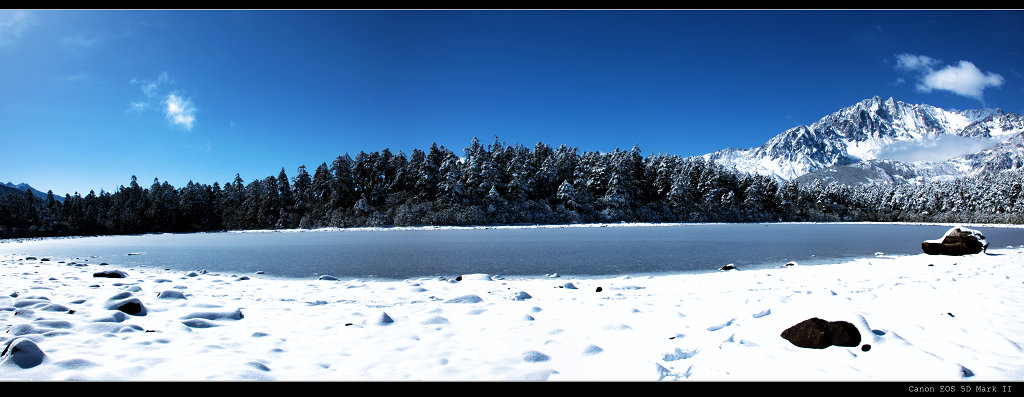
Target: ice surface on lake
x=506, y=251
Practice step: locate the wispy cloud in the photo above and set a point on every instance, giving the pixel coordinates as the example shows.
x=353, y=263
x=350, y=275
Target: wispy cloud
x=963, y=79
x=151, y=87
x=79, y=44
x=12, y=24
x=915, y=62
x=80, y=76
x=178, y=109
x=138, y=106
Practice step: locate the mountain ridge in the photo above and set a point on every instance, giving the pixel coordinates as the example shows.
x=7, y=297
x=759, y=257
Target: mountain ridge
x=10, y=188
x=927, y=142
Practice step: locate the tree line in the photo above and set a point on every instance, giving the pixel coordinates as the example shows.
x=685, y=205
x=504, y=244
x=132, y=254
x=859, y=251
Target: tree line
x=503, y=184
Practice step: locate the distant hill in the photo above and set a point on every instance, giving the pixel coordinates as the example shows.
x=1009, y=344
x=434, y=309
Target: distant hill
x=11, y=188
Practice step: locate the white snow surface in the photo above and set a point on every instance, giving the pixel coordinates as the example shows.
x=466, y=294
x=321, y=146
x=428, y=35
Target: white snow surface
x=926, y=318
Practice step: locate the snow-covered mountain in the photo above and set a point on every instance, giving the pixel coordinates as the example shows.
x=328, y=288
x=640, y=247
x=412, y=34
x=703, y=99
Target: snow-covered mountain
x=888, y=141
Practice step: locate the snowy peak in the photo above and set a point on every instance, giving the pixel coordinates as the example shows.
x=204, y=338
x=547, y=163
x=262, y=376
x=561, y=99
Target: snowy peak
x=883, y=129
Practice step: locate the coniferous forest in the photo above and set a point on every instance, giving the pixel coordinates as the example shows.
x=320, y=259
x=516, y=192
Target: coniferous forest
x=503, y=184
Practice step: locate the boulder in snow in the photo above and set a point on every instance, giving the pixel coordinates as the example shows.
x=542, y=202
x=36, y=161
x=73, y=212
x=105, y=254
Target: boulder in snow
x=956, y=241
x=111, y=274
x=815, y=333
x=131, y=306
x=22, y=352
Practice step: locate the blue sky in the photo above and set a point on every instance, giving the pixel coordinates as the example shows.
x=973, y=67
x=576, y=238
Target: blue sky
x=89, y=98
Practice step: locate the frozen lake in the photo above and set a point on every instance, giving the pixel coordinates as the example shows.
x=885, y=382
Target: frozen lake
x=592, y=251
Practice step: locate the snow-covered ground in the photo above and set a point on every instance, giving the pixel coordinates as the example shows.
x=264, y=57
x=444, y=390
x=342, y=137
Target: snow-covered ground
x=921, y=318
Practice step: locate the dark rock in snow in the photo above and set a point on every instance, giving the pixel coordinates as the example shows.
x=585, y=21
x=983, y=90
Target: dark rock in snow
x=956, y=241
x=843, y=333
x=124, y=302
x=815, y=333
x=132, y=306
x=110, y=274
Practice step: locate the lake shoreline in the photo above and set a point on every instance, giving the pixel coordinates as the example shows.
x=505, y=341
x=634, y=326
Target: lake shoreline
x=531, y=226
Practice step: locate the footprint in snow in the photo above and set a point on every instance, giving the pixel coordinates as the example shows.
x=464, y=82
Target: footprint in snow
x=465, y=299
x=592, y=349
x=436, y=320
x=679, y=354
x=534, y=356
x=720, y=326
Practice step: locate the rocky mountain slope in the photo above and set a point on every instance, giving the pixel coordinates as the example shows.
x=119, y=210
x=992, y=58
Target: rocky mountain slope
x=889, y=141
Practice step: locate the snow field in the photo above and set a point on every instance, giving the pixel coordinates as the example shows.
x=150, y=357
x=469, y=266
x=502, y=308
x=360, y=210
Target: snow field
x=923, y=317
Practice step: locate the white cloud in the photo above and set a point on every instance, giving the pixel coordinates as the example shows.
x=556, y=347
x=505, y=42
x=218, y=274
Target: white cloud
x=963, y=79
x=915, y=62
x=151, y=87
x=179, y=111
x=138, y=106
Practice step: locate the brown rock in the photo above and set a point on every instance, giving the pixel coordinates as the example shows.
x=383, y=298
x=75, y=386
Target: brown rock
x=815, y=333
x=956, y=241
x=843, y=333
